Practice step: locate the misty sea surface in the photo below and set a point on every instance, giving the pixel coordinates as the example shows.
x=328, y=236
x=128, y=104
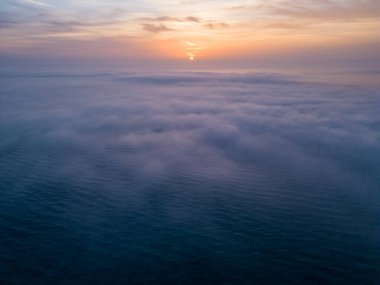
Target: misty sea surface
x=187, y=178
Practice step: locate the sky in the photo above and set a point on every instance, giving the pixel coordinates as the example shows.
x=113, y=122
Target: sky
x=221, y=32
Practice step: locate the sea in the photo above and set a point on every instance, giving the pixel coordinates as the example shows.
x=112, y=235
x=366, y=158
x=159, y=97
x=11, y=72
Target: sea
x=189, y=177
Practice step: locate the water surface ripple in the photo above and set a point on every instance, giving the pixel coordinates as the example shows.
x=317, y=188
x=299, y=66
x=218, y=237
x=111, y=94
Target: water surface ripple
x=194, y=178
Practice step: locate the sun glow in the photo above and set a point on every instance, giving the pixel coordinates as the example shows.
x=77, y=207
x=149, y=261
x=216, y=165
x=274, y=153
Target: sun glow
x=191, y=49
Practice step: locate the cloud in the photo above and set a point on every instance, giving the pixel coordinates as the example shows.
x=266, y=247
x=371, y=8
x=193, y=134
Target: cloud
x=161, y=19
x=156, y=28
x=179, y=173
x=172, y=19
x=220, y=25
x=260, y=28
x=210, y=78
x=205, y=125
x=36, y=18
x=192, y=19
x=35, y=2
x=332, y=10
x=295, y=25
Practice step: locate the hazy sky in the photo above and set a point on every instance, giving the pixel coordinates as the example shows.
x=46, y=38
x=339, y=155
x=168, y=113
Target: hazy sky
x=237, y=32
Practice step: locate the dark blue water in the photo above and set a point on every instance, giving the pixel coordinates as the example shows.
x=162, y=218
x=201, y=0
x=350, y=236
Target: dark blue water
x=192, y=178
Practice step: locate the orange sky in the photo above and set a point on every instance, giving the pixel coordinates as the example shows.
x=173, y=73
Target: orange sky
x=180, y=30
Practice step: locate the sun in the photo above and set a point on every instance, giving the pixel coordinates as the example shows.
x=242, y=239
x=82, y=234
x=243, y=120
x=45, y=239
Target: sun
x=191, y=58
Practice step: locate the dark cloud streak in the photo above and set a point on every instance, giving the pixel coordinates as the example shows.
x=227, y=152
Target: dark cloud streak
x=156, y=28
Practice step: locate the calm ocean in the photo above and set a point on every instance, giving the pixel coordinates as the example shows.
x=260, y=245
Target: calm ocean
x=187, y=178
